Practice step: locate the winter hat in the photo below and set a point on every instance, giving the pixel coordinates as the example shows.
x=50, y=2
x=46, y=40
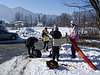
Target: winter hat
x=72, y=22
x=45, y=28
x=55, y=26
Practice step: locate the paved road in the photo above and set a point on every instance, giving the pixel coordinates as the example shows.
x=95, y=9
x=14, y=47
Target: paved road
x=8, y=51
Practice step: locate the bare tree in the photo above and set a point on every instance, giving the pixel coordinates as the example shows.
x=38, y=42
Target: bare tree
x=44, y=20
x=18, y=16
x=83, y=17
x=88, y=7
x=63, y=19
x=96, y=6
x=31, y=20
x=26, y=19
x=50, y=22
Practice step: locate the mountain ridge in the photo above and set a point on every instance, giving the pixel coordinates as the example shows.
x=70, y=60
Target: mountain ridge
x=8, y=14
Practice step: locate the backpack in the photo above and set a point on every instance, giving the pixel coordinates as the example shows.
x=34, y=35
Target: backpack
x=52, y=64
x=30, y=41
x=36, y=53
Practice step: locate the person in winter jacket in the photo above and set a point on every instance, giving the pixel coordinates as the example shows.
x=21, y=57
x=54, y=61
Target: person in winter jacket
x=45, y=38
x=29, y=43
x=56, y=35
x=74, y=37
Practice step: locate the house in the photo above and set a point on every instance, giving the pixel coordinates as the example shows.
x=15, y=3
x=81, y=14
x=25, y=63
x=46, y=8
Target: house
x=19, y=23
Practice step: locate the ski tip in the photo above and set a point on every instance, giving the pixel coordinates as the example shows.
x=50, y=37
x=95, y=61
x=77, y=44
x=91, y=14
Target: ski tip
x=66, y=65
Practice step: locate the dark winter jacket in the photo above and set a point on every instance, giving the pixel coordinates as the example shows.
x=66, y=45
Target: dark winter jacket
x=56, y=34
x=30, y=41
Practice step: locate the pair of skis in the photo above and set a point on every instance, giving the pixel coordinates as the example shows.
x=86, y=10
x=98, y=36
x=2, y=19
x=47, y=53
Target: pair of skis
x=60, y=64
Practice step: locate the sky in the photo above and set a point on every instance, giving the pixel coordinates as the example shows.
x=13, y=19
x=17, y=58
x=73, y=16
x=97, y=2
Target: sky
x=49, y=7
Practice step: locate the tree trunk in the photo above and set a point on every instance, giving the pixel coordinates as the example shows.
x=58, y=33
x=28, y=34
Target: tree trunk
x=96, y=6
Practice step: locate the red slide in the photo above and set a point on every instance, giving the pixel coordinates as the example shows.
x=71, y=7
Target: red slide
x=83, y=55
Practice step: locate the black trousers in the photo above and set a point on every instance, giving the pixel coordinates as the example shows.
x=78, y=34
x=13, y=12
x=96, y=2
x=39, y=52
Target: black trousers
x=46, y=45
x=30, y=51
x=55, y=52
x=73, y=51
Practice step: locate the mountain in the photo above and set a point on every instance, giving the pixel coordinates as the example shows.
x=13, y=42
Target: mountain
x=24, y=11
x=8, y=14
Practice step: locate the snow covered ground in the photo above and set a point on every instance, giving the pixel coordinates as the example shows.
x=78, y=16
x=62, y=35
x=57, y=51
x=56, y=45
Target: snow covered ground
x=22, y=65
